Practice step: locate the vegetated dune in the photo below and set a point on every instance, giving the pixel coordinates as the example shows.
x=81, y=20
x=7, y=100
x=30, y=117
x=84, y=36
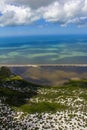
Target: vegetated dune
x=51, y=75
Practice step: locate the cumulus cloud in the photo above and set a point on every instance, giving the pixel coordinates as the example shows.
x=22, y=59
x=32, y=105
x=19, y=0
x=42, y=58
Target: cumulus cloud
x=31, y=3
x=14, y=12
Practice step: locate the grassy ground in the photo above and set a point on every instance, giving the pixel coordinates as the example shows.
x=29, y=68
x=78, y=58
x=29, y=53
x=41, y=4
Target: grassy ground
x=42, y=107
x=25, y=105
x=70, y=96
x=59, y=98
x=16, y=90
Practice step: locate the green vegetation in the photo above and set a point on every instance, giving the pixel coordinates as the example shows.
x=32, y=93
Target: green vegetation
x=15, y=98
x=12, y=78
x=48, y=99
x=14, y=89
x=78, y=83
x=32, y=98
x=52, y=99
x=5, y=72
x=42, y=107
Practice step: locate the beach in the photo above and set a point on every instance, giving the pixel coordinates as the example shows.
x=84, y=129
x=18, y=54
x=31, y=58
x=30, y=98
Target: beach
x=40, y=65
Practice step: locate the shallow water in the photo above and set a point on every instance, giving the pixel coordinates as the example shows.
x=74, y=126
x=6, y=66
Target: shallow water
x=62, y=49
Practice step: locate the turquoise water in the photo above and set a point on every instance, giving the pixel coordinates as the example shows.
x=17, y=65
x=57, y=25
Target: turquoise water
x=62, y=49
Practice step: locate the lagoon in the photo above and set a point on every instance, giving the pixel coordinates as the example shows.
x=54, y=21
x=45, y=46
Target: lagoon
x=44, y=49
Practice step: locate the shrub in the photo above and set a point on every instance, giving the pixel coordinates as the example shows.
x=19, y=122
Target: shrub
x=5, y=72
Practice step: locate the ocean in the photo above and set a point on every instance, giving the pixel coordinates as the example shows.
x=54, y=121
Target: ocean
x=49, y=49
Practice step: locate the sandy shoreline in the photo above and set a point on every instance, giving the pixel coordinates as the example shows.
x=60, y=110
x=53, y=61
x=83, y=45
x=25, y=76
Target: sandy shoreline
x=42, y=65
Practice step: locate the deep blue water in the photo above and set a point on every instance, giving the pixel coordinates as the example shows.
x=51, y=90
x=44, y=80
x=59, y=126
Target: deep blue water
x=44, y=49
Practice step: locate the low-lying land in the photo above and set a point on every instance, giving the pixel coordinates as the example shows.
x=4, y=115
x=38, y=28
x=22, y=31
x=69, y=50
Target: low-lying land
x=49, y=75
x=27, y=106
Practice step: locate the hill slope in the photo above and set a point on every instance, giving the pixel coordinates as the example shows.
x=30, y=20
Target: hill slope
x=24, y=105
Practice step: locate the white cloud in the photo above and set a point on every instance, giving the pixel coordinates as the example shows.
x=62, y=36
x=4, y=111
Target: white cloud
x=53, y=12
x=14, y=12
x=15, y=15
x=34, y=4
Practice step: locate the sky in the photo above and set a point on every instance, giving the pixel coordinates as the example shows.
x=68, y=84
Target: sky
x=35, y=17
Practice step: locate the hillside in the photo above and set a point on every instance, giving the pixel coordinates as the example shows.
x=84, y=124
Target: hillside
x=27, y=106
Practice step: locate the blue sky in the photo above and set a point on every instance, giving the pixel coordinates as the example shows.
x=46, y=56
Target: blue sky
x=41, y=29
x=37, y=17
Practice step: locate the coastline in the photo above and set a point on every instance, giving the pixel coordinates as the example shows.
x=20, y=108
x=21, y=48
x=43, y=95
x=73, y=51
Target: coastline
x=42, y=65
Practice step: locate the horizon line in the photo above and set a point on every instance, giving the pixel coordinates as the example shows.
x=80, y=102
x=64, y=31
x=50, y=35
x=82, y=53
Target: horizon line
x=44, y=34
